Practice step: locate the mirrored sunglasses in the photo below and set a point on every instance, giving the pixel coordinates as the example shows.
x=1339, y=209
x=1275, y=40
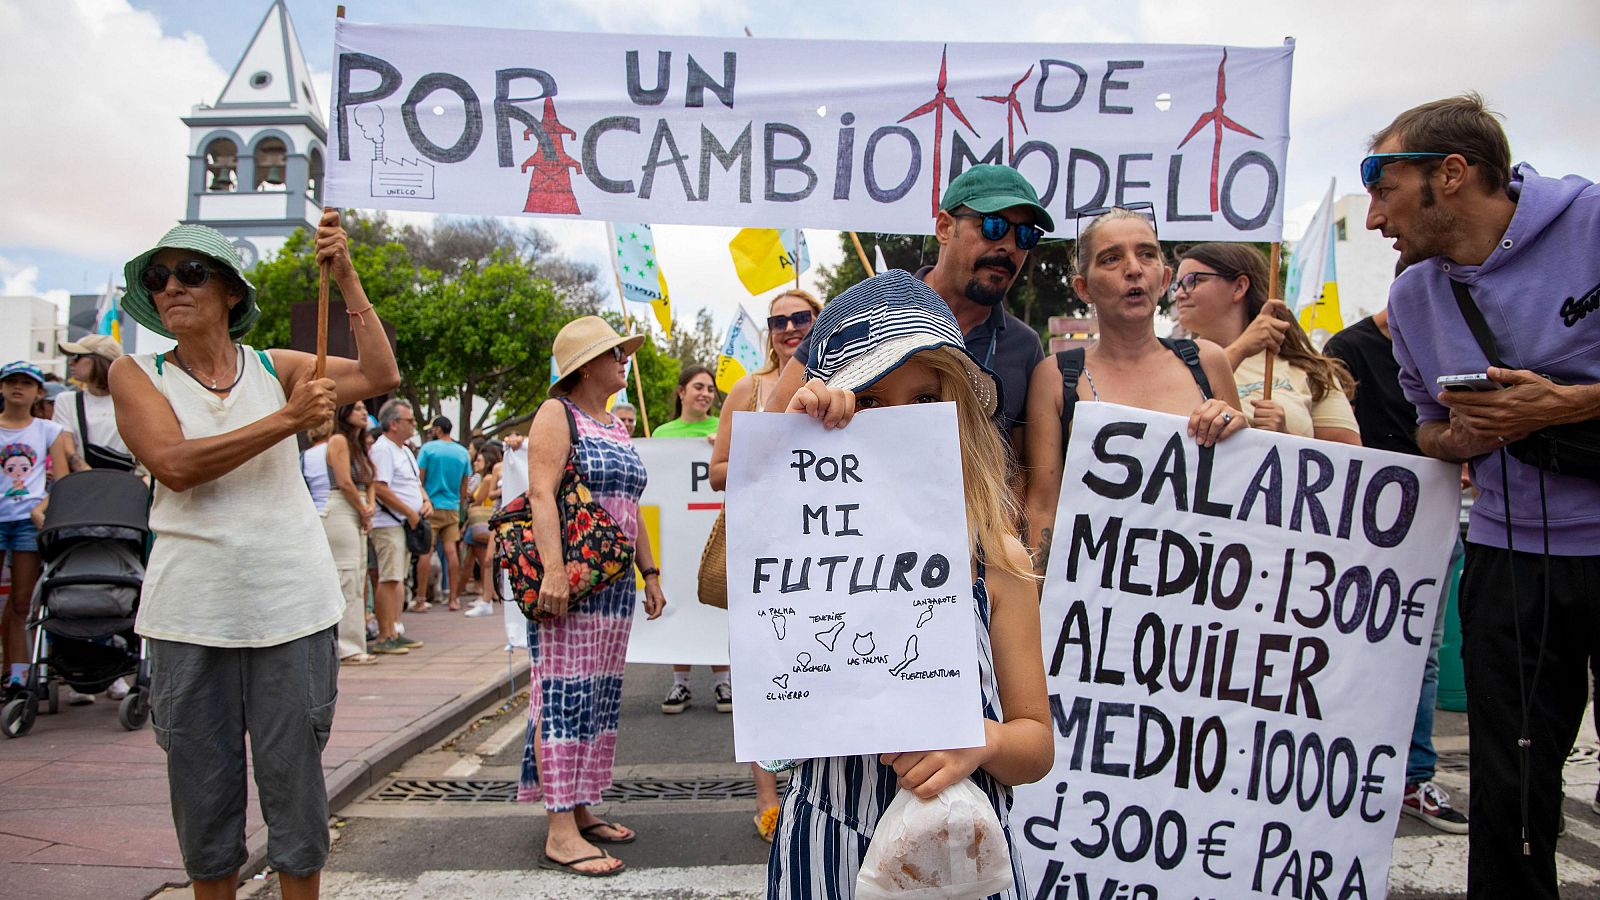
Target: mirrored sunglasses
x=800, y=319
x=190, y=273
x=1372, y=167
x=994, y=227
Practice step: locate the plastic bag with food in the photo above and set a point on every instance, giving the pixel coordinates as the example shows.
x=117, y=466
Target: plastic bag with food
x=947, y=848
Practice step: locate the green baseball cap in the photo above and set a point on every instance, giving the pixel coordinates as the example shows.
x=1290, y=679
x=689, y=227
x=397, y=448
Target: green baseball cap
x=138, y=303
x=988, y=188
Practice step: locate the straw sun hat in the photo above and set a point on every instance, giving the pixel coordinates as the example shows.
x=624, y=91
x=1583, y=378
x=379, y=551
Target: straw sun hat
x=581, y=340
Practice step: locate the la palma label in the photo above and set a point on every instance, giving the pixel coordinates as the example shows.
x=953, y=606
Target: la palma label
x=1233, y=640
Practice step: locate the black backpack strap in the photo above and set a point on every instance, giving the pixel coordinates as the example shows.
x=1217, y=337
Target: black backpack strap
x=572, y=424
x=1070, y=362
x=1189, y=352
x=1476, y=323
x=83, y=422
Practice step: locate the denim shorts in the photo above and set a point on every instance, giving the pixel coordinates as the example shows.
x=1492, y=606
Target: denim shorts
x=19, y=535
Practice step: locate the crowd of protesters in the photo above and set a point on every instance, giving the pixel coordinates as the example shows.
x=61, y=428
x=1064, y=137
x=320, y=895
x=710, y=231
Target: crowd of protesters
x=215, y=412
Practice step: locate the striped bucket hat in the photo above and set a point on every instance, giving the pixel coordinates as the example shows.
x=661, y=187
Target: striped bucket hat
x=869, y=330
x=138, y=303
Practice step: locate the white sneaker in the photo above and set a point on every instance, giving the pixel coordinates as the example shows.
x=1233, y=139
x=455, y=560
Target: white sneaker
x=480, y=609
x=118, y=689
x=74, y=698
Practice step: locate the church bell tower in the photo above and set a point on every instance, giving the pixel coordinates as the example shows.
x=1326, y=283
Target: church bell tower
x=257, y=155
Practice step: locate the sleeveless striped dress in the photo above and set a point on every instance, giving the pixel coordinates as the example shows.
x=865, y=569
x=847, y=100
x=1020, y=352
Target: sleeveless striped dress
x=577, y=659
x=833, y=805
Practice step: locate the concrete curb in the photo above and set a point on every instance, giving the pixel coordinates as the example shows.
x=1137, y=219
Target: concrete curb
x=358, y=776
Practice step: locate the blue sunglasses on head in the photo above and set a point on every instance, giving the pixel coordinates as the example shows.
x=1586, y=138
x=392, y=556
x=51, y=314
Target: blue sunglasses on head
x=1372, y=166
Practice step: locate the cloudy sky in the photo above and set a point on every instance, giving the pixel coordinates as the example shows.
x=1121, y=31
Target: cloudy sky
x=93, y=165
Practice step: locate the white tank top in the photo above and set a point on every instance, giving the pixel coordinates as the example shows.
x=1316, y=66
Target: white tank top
x=314, y=469
x=240, y=561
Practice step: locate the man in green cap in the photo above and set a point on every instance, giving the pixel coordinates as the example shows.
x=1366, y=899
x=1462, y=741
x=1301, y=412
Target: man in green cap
x=988, y=220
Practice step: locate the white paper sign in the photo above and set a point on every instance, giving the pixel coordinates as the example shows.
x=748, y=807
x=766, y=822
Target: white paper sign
x=1233, y=642
x=677, y=510
x=781, y=133
x=850, y=586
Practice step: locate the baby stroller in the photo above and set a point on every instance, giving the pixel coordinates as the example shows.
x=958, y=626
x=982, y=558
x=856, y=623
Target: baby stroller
x=92, y=549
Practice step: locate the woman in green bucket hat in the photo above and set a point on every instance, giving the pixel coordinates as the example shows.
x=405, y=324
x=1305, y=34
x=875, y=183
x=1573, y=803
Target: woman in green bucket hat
x=241, y=595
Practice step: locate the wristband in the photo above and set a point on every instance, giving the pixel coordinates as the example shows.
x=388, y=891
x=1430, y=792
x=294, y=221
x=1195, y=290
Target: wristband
x=646, y=573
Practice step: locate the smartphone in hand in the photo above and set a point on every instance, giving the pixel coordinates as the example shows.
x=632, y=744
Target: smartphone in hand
x=1475, y=381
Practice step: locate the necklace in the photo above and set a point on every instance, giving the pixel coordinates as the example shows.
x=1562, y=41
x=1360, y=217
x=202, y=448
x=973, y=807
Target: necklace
x=213, y=387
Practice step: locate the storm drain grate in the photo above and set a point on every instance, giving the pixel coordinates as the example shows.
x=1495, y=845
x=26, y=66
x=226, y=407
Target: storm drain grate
x=472, y=790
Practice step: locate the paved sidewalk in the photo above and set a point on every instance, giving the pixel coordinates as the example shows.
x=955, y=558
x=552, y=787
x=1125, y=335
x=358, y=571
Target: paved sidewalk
x=83, y=803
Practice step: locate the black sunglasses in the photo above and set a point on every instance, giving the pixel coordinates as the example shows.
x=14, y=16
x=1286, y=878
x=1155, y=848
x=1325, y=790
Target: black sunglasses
x=994, y=227
x=793, y=320
x=190, y=273
x=1143, y=207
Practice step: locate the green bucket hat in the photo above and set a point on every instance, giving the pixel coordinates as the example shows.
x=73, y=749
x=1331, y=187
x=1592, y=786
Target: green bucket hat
x=138, y=303
x=988, y=188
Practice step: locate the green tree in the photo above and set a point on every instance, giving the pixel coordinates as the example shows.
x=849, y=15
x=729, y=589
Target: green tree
x=697, y=343
x=474, y=312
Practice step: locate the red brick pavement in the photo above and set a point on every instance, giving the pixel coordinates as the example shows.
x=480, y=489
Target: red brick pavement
x=83, y=803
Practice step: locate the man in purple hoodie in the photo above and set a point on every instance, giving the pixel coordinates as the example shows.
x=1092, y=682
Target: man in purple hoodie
x=1527, y=248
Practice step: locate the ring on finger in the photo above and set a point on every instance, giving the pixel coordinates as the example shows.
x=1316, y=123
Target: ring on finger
x=1226, y=418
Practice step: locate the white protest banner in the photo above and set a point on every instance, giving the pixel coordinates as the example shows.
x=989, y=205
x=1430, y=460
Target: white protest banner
x=850, y=607
x=677, y=511
x=1233, y=640
x=782, y=133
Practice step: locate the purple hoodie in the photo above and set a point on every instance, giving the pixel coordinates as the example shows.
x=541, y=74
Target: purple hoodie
x=1531, y=290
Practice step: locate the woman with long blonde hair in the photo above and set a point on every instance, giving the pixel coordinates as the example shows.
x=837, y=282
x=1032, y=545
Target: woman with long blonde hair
x=891, y=341
x=790, y=316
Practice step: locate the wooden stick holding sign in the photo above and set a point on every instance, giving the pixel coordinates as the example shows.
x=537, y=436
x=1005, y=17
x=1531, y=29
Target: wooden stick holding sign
x=1272, y=291
x=324, y=275
x=863, y=254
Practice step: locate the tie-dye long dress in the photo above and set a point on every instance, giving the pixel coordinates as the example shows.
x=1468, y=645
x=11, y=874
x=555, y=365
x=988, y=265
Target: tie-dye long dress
x=577, y=659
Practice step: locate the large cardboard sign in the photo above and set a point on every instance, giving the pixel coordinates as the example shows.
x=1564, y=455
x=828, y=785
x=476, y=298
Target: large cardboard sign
x=782, y=133
x=1234, y=641
x=850, y=586
x=677, y=511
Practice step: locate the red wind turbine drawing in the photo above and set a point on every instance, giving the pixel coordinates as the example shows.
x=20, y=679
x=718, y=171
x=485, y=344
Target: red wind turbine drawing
x=937, y=106
x=1218, y=120
x=1013, y=108
x=550, y=185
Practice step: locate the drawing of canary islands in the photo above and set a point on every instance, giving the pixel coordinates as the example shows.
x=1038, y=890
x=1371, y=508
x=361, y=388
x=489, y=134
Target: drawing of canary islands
x=411, y=178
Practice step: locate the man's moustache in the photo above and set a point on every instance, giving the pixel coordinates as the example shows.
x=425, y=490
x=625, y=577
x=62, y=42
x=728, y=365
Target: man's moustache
x=999, y=262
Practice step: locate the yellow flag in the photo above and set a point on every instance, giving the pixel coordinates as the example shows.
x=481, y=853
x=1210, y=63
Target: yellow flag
x=1324, y=313
x=765, y=258
x=663, y=306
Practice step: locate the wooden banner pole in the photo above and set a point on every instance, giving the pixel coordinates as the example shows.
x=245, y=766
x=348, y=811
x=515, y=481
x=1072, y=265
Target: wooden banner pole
x=1272, y=291
x=862, y=254
x=320, y=368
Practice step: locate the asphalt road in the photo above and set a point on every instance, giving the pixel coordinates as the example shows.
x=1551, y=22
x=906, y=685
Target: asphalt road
x=444, y=828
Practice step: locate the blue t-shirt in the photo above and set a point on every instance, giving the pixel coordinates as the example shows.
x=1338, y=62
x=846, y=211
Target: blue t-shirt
x=443, y=465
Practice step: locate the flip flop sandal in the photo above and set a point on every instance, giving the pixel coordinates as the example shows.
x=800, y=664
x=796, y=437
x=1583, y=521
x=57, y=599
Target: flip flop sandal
x=592, y=833
x=767, y=823
x=550, y=862
x=359, y=659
